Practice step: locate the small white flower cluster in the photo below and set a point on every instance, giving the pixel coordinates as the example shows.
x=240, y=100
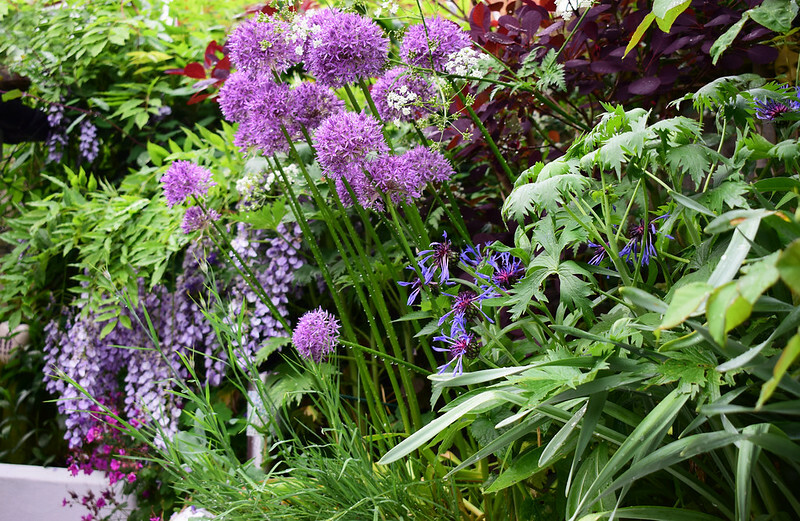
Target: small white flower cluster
x=301, y=29
x=388, y=5
x=466, y=62
x=401, y=99
x=566, y=8
x=251, y=181
x=293, y=173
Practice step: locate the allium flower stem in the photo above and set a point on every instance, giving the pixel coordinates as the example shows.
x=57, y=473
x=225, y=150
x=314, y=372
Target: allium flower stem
x=374, y=111
x=352, y=98
x=385, y=357
x=719, y=151
x=373, y=403
x=506, y=182
x=243, y=268
x=383, y=312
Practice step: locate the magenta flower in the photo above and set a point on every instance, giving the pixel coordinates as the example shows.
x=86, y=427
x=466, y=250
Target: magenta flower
x=184, y=179
x=344, y=47
x=429, y=45
x=196, y=219
x=316, y=335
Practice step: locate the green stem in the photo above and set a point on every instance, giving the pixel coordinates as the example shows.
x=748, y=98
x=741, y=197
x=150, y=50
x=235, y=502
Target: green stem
x=384, y=356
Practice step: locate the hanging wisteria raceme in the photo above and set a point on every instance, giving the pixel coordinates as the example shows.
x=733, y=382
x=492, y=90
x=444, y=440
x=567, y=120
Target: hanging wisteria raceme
x=93, y=365
x=57, y=139
x=88, y=145
x=276, y=277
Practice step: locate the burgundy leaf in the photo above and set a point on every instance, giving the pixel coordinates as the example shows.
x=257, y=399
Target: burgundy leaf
x=575, y=64
x=605, y=67
x=756, y=34
x=531, y=21
x=677, y=44
x=210, y=57
x=499, y=38
x=197, y=98
x=480, y=18
x=722, y=19
x=202, y=84
x=644, y=86
x=762, y=54
x=174, y=71
x=509, y=22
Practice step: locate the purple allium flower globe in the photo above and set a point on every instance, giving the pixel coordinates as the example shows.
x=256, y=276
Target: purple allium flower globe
x=400, y=95
x=196, y=219
x=265, y=113
x=184, y=179
x=256, y=46
x=345, y=47
x=347, y=138
x=235, y=94
x=316, y=335
x=431, y=166
x=430, y=45
x=312, y=103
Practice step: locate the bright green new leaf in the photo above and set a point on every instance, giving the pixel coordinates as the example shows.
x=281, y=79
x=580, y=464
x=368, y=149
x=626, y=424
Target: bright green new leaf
x=667, y=11
x=685, y=303
x=639, y=32
x=789, y=355
x=727, y=38
x=775, y=15
x=12, y=94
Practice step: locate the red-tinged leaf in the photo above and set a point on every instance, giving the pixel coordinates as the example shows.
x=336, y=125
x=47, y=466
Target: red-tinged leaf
x=211, y=57
x=195, y=70
x=174, y=71
x=480, y=18
x=198, y=97
x=497, y=6
x=222, y=69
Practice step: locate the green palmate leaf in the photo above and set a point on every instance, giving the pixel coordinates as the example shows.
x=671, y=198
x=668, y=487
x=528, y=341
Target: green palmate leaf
x=775, y=15
x=686, y=302
x=787, y=358
x=789, y=266
x=270, y=346
x=727, y=194
x=692, y=158
x=546, y=190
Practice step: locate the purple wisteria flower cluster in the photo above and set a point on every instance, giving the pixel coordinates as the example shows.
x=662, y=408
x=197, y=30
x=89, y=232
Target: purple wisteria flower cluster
x=353, y=153
x=57, y=139
x=88, y=145
x=494, y=274
x=276, y=278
